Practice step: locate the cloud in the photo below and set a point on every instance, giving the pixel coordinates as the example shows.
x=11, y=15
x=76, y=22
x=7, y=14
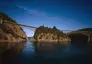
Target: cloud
x=39, y=14
x=41, y=17
x=32, y=11
x=19, y=6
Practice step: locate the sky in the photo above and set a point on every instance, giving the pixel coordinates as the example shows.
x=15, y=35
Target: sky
x=64, y=14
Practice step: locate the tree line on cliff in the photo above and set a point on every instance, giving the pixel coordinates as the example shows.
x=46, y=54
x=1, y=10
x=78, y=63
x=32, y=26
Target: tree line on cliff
x=9, y=30
x=4, y=16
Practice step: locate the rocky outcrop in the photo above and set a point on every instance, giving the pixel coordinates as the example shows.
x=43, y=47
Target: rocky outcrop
x=45, y=34
x=32, y=39
x=10, y=31
x=82, y=35
x=49, y=37
x=78, y=38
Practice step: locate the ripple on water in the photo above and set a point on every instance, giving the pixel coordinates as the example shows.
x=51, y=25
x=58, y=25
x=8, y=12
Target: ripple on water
x=28, y=50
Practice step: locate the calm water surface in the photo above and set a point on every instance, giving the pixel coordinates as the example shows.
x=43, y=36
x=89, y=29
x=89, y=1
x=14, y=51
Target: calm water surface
x=37, y=53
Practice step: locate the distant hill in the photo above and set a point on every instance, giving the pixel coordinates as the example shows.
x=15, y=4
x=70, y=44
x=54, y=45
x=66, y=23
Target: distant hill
x=85, y=29
x=78, y=36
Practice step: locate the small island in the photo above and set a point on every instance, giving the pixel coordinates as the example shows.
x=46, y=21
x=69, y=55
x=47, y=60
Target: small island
x=46, y=34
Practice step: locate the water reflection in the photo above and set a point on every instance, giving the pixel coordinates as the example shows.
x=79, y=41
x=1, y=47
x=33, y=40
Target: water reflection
x=29, y=49
x=59, y=50
x=45, y=47
x=11, y=52
x=34, y=52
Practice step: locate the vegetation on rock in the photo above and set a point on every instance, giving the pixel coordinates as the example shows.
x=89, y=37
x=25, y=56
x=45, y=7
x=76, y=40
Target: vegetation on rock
x=81, y=35
x=85, y=29
x=6, y=17
x=10, y=31
x=47, y=33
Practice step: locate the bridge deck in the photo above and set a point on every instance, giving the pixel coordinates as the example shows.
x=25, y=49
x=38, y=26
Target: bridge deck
x=65, y=31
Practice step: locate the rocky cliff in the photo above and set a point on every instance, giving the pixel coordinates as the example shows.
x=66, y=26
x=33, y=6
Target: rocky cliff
x=49, y=34
x=82, y=35
x=10, y=31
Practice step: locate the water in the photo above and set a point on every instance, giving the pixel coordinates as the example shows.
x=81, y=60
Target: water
x=38, y=53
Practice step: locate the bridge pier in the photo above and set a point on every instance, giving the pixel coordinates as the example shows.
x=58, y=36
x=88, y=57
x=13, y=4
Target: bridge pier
x=89, y=38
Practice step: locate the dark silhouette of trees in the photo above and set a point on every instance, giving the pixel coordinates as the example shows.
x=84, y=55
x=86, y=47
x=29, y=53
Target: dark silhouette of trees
x=4, y=16
x=80, y=37
x=85, y=29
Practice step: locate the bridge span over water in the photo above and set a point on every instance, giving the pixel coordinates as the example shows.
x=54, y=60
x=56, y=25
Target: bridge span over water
x=87, y=33
x=30, y=27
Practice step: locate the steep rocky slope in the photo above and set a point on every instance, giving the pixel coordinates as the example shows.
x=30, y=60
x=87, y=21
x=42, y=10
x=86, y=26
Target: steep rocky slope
x=49, y=34
x=9, y=31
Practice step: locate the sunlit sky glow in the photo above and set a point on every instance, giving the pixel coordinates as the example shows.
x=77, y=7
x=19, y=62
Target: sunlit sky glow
x=64, y=14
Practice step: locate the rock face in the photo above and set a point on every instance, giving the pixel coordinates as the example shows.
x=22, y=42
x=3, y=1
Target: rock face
x=78, y=38
x=82, y=35
x=45, y=34
x=9, y=31
x=88, y=33
x=49, y=37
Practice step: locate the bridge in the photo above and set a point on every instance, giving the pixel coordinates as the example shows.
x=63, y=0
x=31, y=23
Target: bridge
x=87, y=33
x=30, y=27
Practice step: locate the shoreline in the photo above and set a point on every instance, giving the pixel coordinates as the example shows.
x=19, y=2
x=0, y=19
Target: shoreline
x=50, y=41
x=1, y=41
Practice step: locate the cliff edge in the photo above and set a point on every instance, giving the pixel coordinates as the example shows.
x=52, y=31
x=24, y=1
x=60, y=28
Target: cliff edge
x=46, y=34
x=10, y=31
